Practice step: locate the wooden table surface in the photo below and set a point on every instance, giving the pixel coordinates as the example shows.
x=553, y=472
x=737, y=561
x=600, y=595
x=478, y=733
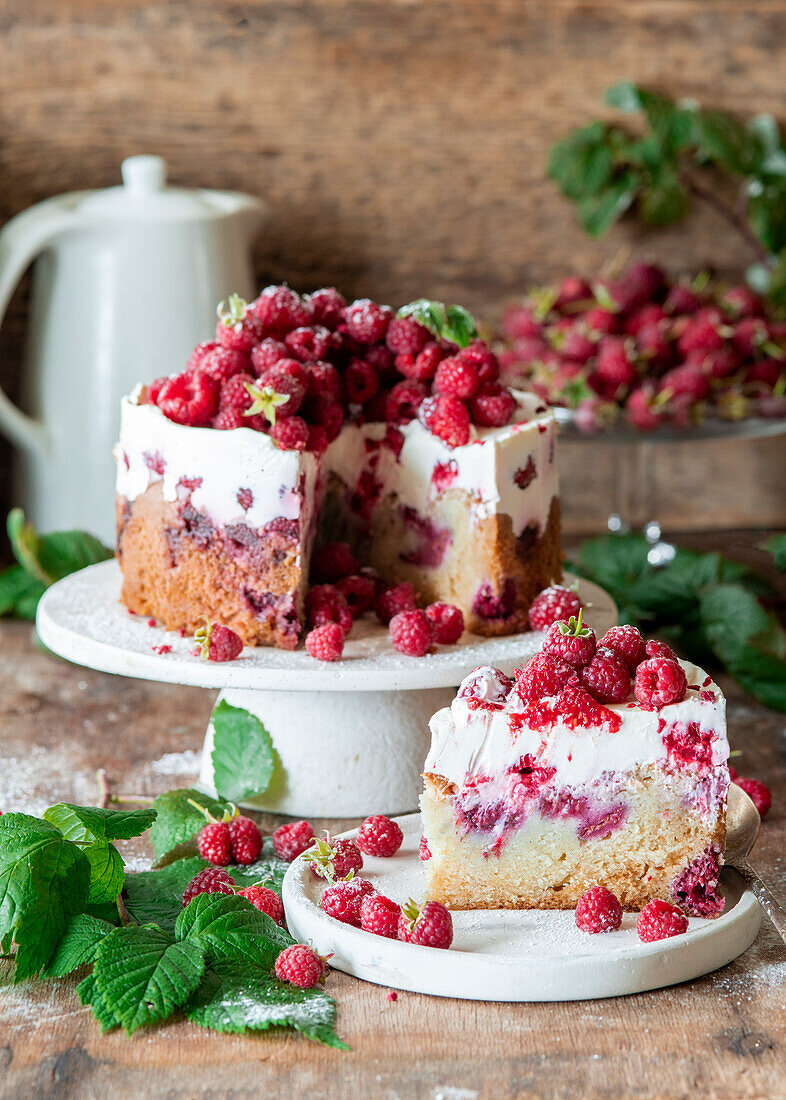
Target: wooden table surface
x=720, y=1036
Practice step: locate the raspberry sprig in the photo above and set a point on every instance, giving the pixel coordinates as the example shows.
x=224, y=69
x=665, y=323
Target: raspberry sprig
x=334, y=860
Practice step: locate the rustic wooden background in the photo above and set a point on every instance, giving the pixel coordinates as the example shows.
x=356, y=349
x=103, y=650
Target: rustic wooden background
x=401, y=145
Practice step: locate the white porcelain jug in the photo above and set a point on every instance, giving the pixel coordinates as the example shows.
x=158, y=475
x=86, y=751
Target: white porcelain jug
x=125, y=283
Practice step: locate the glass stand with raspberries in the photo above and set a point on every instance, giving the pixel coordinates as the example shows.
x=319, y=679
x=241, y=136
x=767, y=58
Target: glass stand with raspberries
x=349, y=736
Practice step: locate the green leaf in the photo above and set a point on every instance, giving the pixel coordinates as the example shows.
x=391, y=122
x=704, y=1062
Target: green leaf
x=44, y=881
x=432, y=315
x=227, y=927
x=157, y=896
x=762, y=675
x=625, y=96
x=106, y=872
x=665, y=201
x=49, y=558
x=242, y=753
x=777, y=547
x=582, y=163
x=16, y=584
x=89, y=994
x=459, y=326
x=236, y=998
x=734, y=619
x=598, y=212
x=88, y=823
x=143, y=975
x=724, y=141
x=766, y=212
x=177, y=821
x=27, y=605
x=77, y=945
x=25, y=545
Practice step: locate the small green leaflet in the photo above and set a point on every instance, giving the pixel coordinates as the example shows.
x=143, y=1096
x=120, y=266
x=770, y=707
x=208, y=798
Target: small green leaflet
x=17, y=588
x=51, y=557
x=177, y=821
x=452, y=323
x=44, y=881
x=226, y=927
x=89, y=823
x=77, y=945
x=106, y=872
x=777, y=547
x=242, y=754
x=89, y=994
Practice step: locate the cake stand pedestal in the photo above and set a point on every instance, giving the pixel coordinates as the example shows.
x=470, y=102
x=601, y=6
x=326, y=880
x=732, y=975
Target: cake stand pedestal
x=349, y=738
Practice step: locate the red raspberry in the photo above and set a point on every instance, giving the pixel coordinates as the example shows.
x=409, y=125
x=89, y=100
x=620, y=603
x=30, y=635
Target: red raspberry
x=212, y=880
x=301, y=966
x=758, y=794
x=325, y=604
x=343, y=900
x=659, y=921
x=333, y=562
x=246, y=840
x=457, y=378
x=659, y=682
x=573, y=289
x=552, y=604
x=598, y=911
x=265, y=900
x=218, y=643
x=606, y=677
x=627, y=642
x=280, y=309
x=600, y=321
x=379, y=836
x=406, y=336
x=424, y=852
x=327, y=305
x=412, y=633
x=492, y=406
x=235, y=395
x=655, y=648
x=701, y=335
x=361, y=382
x=734, y=775
x=154, y=389
x=228, y=419
x=681, y=299
x=214, y=843
x=323, y=380
x=448, y=622
x=317, y=439
x=422, y=367
x=483, y=359
x=401, y=597
x=380, y=915
x=359, y=592
x=403, y=402
x=325, y=643
x=383, y=361
x=197, y=357
x=310, y=343
x=267, y=354
x=325, y=411
x=290, y=841
x=286, y=385
x=334, y=859
x=685, y=381
x=741, y=301
x=429, y=925
x=571, y=642
x=643, y=410
x=190, y=399
x=447, y=418
x=290, y=434
x=542, y=675
x=613, y=364
x=238, y=329
x=366, y=321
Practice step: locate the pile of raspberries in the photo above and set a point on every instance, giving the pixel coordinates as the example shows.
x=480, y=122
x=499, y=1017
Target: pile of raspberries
x=648, y=350
x=296, y=367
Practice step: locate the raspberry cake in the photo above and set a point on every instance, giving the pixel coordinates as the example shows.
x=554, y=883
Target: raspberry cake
x=309, y=420
x=536, y=791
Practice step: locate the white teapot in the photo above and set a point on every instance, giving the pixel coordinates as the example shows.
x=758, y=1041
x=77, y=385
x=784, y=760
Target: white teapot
x=125, y=283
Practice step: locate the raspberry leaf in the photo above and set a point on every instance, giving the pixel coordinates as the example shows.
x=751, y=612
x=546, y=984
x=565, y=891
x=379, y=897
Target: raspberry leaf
x=143, y=975
x=452, y=323
x=77, y=946
x=777, y=547
x=459, y=326
x=178, y=820
x=89, y=994
x=51, y=557
x=89, y=823
x=17, y=588
x=106, y=872
x=157, y=896
x=226, y=927
x=242, y=753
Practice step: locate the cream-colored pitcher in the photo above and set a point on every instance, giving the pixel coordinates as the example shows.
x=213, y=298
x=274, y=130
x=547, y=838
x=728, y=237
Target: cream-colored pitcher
x=125, y=282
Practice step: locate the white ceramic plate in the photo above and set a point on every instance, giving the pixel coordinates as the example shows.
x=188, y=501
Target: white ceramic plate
x=503, y=955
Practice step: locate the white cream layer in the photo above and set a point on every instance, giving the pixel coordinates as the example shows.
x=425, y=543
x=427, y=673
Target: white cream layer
x=466, y=743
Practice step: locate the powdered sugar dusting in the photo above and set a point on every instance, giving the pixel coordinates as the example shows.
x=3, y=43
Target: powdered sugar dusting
x=177, y=763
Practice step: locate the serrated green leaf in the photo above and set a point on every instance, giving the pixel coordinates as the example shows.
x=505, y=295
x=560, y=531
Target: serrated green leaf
x=64, y=552
x=242, y=753
x=777, y=547
x=237, y=998
x=177, y=821
x=106, y=872
x=766, y=212
x=17, y=585
x=89, y=994
x=665, y=201
x=762, y=675
x=77, y=946
x=734, y=620
x=157, y=896
x=459, y=326
x=598, y=212
x=44, y=881
x=432, y=315
x=227, y=927
x=723, y=140
x=87, y=823
x=582, y=163
x=143, y=975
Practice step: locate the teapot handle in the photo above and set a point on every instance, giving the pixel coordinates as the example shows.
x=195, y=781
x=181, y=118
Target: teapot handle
x=21, y=240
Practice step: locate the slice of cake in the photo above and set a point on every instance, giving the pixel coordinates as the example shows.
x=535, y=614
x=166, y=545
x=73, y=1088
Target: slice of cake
x=535, y=790
x=315, y=421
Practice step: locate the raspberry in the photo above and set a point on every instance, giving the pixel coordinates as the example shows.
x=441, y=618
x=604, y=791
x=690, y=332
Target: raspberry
x=627, y=642
x=325, y=643
x=741, y=301
x=642, y=409
x=238, y=329
x=447, y=418
x=758, y=794
x=403, y=402
x=301, y=966
x=334, y=859
x=457, y=378
x=424, y=852
x=646, y=317
x=290, y=841
x=214, y=843
x=659, y=921
x=401, y=597
x=228, y=419
x=235, y=395
x=218, y=643
x=600, y=321
x=613, y=364
x=492, y=406
x=552, y=604
x=659, y=682
x=421, y=367
x=325, y=411
x=412, y=633
x=343, y=900
x=406, y=336
x=685, y=381
x=681, y=299
x=380, y=915
x=280, y=309
x=310, y=343
x=570, y=641
x=284, y=385
x=265, y=900
x=598, y=911
x=429, y=925
x=486, y=688
x=267, y=354
x=542, y=675
x=379, y=836
x=701, y=335
x=448, y=622
x=317, y=439
x=290, y=434
x=197, y=357
x=573, y=289
x=325, y=604
x=154, y=389
x=212, y=880
x=190, y=399
x=655, y=648
x=483, y=359
x=359, y=592
x=361, y=382
x=383, y=361
x=327, y=305
x=246, y=840
x=606, y=677
x=366, y=321
x=219, y=362
x=333, y=562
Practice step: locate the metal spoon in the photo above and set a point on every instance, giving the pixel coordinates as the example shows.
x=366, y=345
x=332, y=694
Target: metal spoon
x=742, y=828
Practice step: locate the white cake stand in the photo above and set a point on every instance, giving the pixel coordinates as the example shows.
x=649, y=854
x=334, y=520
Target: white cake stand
x=350, y=737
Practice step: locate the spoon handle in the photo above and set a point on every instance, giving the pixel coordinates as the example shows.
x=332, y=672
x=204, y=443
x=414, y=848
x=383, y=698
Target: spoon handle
x=771, y=907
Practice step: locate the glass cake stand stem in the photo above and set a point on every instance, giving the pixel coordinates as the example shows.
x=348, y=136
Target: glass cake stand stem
x=633, y=497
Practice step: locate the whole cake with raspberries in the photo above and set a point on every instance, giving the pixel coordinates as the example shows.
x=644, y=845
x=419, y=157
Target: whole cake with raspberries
x=310, y=423
x=602, y=765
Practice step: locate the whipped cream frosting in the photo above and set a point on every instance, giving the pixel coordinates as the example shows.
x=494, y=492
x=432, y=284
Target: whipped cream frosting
x=467, y=742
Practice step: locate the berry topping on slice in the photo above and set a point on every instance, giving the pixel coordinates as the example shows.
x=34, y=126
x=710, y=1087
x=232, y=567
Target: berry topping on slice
x=325, y=643
x=344, y=899
x=598, y=910
x=366, y=321
x=659, y=682
x=190, y=399
x=237, y=328
x=446, y=417
x=246, y=840
x=404, y=401
x=448, y=622
x=327, y=305
x=412, y=633
x=301, y=966
x=212, y=880
x=429, y=925
x=265, y=900
x=290, y=434
x=757, y=792
x=485, y=688
x=606, y=677
x=656, y=648
x=334, y=859
x=577, y=709
x=627, y=642
x=571, y=641
x=379, y=836
x=405, y=336
x=380, y=915
x=457, y=378
x=659, y=921
x=280, y=309
x=218, y=643
x=551, y=605
x=290, y=841
x=543, y=675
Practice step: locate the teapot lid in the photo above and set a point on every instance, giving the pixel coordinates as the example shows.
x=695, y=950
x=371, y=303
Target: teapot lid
x=144, y=196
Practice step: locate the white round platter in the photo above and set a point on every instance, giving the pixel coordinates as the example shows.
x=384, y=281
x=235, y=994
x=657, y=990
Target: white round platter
x=506, y=955
x=81, y=618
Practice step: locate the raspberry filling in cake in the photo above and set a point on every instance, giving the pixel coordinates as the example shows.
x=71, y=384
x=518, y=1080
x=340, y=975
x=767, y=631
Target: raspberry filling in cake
x=530, y=798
